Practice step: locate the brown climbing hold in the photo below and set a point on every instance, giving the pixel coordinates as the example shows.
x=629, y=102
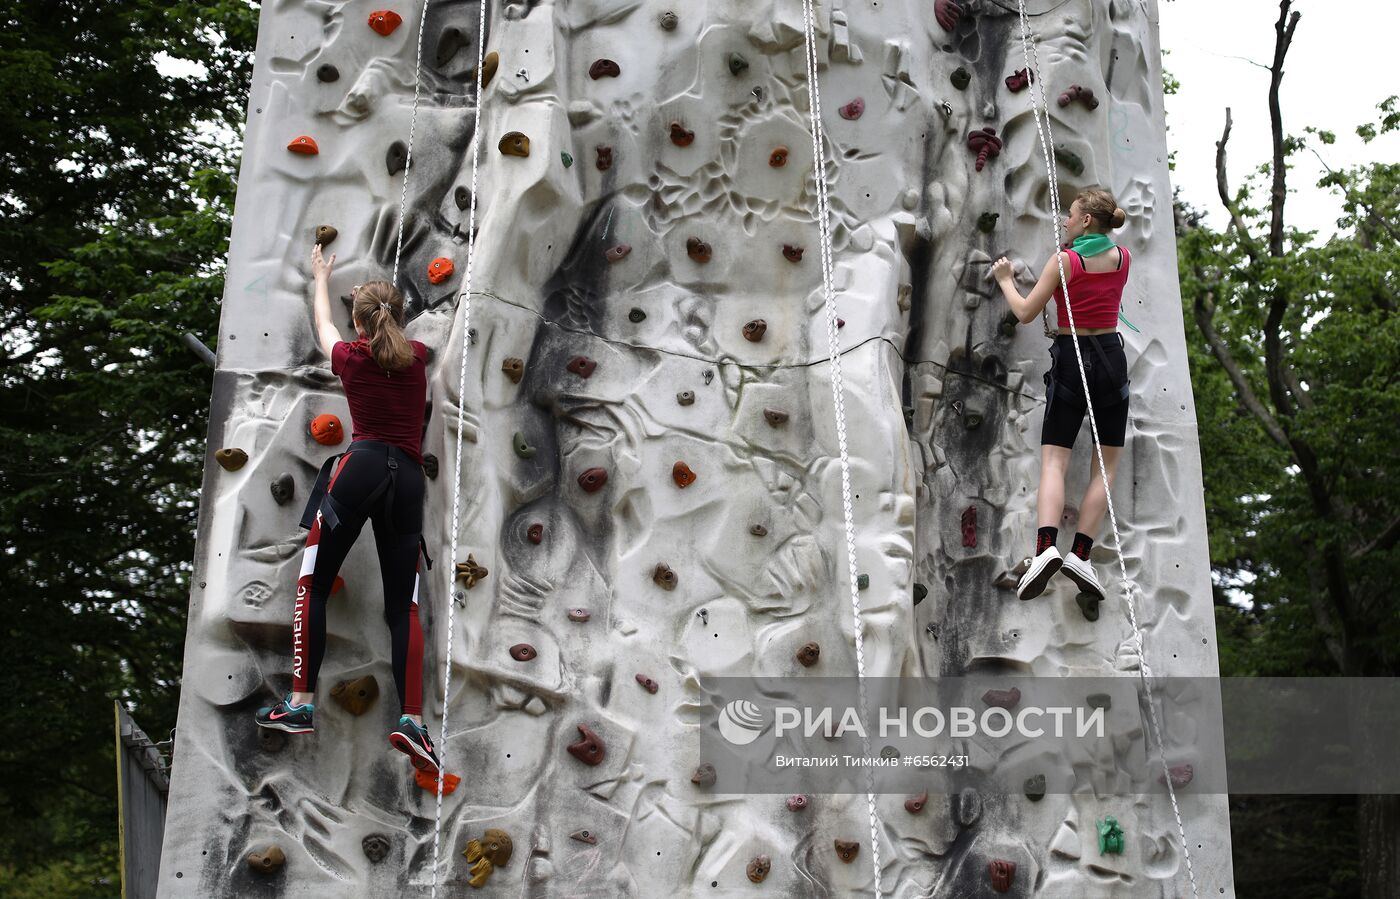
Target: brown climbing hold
x=582, y=366
x=1019, y=80
x=305, y=145
x=685, y=397
x=589, y=747
x=523, y=652
x=754, y=330
x=664, y=577
x=579, y=615
x=1181, y=776
x=231, y=459
x=846, y=850
x=969, y=527
x=384, y=21
x=704, y=775
x=778, y=158
x=796, y=803
x=668, y=21
x=809, y=654
x=396, y=157
x=1078, y=92
x=326, y=235
x=267, y=861
x=514, y=367
x=430, y=466
x=791, y=253
x=593, y=480
x=470, y=572
x=947, y=13
x=1002, y=874
x=604, y=68
x=535, y=533
x=514, y=143
x=492, y=851
x=853, y=110
x=440, y=270
x=682, y=475
x=376, y=847
x=449, y=42
x=648, y=684
x=356, y=696
x=327, y=430
x=488, y=68
x=327, y=74
x=585, y=836
x=1002, y=699
x=915, y=805
x=985, y=144
x=775, y=417
x=758, y=530
x=617, y=253
x=283, y=488
x=758, y=868
x=605, y=158
x=697, y=249
x=680, y=136
x=428, y=782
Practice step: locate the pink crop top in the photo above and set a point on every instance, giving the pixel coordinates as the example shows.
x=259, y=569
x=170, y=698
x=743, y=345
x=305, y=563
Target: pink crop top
x=1095, y=296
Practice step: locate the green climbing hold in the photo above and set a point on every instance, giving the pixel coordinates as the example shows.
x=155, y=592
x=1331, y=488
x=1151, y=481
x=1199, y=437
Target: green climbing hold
x=961, y=78
x=1088, y=606
x=1110, y=836
x=568, y=160
x=522, y=449
x=1069, y=159
x=1007, y=328
x=987, y=222
x=863, y=582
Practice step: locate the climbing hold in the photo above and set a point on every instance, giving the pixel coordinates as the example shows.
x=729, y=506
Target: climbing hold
x=356, y=696
x=327, y=74
x=1069, y=159
x=840, y=323
x=1002, y=699
x=522, y=448
x=796, y=802
x=985, y=144
x=1100, y=701
x=326, y=235
x=384, y=21
x=636, y=316
x=462, y=197
x=1088, y=605
x=664, y=577
x=754, y=330
x=920, y=593
x=680, y=136
x=697, y=249
x=791, y=253
x=337, y=585
x=972, y=419
x=428, y=782
x=758, y=868
x=1078, y=92
x=862, y=582
x=604, y=68
x=589, y=748
x=685, y=397
x=1110, y=836
x=440, y=269
x=567, y=158
x=758, y=530
x=708, y=375
x=846, y=850
x=704, y=775
x=969, y=527
x=915, y=805
x=488, y=68
x=283, y=488
x=579, y=615
x=492, y=851
x=617, y=253
x=584, y=836
x=231, y=459
x=1002, y=874
x=605, y=158
x=947, y=13
x=396, y=157
x=1020, y=80
x=593, y=480
x=1181, y=776
x=514, y=143
x=376, y=847
x=682, y=475
x=470, y=572
x=853, y=110
x=1007, y=326
x=523, y=652
x=535, y=533
x=737, y=63
x=961, y=78
x=809, y=654
x=667, y=21
x=775, y=417
x=778, y=158
x=267, y=861
x=582, y=366
x=514, y=367
x=1035, y=787
x=647, y=683
x=449, y=42
x=305, y=145
x=987, y=222
x=430, y=466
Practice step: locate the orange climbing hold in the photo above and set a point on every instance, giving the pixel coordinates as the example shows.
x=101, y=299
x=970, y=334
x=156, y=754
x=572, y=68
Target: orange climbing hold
x=440, y=270
x=429, y=783
x=384, y=21
x=327, y=430
x=304, y=145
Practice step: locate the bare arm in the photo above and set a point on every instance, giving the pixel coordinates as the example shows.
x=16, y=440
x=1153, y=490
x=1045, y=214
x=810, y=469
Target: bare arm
x=327, y=334
x=1027, y=308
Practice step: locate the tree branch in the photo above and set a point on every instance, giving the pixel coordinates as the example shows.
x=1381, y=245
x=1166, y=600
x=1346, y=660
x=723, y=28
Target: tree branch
x=1223, y=186
x=1383, y=541
x=1205, y=321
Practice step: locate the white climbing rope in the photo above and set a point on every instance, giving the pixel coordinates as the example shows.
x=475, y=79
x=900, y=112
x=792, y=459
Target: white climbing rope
x=465, y=297
x=838, y=391
x=1039, y=110
x=412, y=126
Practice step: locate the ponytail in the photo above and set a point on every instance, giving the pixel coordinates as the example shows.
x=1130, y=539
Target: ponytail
x=379, y=310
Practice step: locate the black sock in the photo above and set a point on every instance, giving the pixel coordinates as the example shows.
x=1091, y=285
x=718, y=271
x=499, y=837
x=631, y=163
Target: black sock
x=1082, y=544
x=1045, y=538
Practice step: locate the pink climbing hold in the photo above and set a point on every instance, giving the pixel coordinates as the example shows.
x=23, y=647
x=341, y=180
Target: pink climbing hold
x=1080, y=93
x=947, y=13
x=853, y=110
x=1020, y=80
x=969, y=527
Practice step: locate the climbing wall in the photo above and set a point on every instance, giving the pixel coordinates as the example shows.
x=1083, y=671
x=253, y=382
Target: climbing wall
x=651, y=489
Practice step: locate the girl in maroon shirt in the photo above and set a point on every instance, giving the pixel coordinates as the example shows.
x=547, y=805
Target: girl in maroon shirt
x=1097, y=270
x=379, y=479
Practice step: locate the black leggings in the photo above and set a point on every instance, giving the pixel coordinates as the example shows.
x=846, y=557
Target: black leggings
x=398, y=522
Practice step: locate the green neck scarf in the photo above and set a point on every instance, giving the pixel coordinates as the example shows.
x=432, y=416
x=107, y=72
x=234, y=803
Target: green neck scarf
x=1093, y=244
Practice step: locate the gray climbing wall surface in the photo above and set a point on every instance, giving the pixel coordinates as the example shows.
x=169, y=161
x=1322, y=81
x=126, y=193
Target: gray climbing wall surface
x=664, y=204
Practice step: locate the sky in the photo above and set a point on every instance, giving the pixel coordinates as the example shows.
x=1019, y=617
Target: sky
x=1339, y=68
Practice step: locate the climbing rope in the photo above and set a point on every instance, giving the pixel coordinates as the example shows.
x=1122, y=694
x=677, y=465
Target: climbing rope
x=838, y=391
x=412, y=126
x=1039, y=110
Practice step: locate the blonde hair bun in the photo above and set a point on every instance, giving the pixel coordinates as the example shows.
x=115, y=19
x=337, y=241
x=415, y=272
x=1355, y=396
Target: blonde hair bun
x=1119, y=217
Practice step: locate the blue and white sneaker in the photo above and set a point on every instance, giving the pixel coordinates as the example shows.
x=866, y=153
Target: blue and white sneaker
x=293, y=719
x=412, y=740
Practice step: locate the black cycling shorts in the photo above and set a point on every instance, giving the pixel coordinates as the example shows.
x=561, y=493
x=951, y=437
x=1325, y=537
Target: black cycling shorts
x=1106, y=367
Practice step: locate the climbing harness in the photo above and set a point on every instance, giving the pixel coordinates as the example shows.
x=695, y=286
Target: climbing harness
x=838, y=391
x=1041, y=114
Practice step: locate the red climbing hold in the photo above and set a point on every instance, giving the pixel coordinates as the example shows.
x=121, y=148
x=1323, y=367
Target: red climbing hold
x=589, y=748
x=681, y=136
x=792, y=253
x=617, y=253
x=1002, y=873
x=326, y=430
x=985, y=144
x=969, y=526
x=947, y=12
x=1020, y=80
x=604, y=68
x=852, y=110
x=384, y=21
x=916, y=805
x=535, y=533
x=429, y=783
x=440, y=270
x=582, y=366
x=593, y=479
x=304, y=145
x=682, y=475
x=1003, y=699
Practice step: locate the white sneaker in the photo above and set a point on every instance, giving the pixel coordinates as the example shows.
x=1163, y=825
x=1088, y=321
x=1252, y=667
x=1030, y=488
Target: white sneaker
x=1043, y=567
x=1082, y=573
